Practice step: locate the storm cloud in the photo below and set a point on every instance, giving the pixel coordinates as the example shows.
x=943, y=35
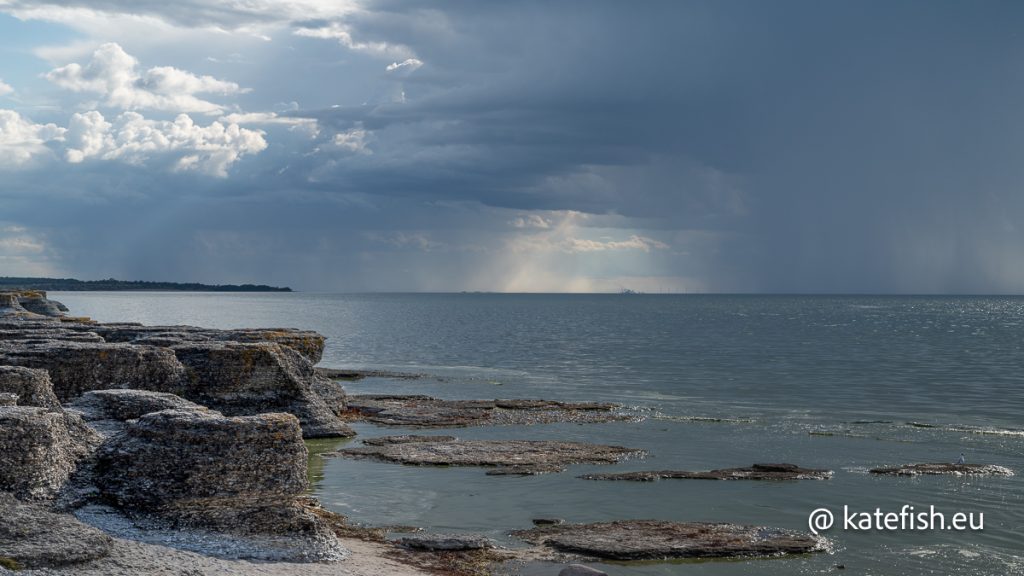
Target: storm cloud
x=576, y=146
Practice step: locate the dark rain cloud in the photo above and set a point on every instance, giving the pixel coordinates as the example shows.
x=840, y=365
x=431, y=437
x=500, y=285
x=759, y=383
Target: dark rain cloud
x=866, y=146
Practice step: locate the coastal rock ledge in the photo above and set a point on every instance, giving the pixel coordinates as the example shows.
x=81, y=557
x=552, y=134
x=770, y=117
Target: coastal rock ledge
x=774, y=472
x=660, y=540
x=238, y=372
x=943, y=469
x=240, y=475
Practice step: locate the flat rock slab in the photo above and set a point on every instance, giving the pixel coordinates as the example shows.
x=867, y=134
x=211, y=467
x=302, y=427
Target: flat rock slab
x=446, y=542
x=425, y=411
x=943, y=468
x=36, y=538
x=540, y=455
x=405, y=439
x=129, y=404
x=661, y=540
x=755, y=472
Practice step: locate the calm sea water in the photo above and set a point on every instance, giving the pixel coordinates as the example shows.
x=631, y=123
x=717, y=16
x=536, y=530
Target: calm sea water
x=845, y=383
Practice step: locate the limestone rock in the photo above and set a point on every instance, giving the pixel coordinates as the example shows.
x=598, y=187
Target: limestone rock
x=944, y=468
x=128, y=404
x=332, y=393
x=446, y=542
x=233, y=474
x=8, y=399
x=11, y=308
x=425, y=411
x=659, y=540
x=525, y=455
x=35, y=301
x=78, y=367
x=35, y=538
x=755, y=472
x=309, y=344
x=39, y=450
x=237, y=378
x=32, y=387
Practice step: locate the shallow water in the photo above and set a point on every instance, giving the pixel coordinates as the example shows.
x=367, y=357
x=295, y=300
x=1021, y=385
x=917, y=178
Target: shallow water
x=845, y=383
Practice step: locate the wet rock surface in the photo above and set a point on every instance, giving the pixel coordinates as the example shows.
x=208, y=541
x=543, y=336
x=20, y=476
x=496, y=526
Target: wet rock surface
x=446, y=542
x=32, y=387
x=943, y=468
x=580, y=570
x=39, y=450
x=754, y=472
x=428, y=412
x=347, y=374
x=33, y=537
x=538, y=456
x=658, y=540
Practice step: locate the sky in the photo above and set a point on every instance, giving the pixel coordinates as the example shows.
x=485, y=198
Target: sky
x=576, y=146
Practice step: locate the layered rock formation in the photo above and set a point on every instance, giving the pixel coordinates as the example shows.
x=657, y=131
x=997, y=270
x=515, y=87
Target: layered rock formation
x=204, y=470
x=32, y=387
x=139, y=432
x=40, y=449
x=252, y=378
x=239, y=372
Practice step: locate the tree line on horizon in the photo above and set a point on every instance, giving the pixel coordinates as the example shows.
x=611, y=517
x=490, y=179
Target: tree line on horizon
x=72, y=284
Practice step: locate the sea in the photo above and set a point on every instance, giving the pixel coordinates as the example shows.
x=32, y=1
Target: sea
x=846, y=383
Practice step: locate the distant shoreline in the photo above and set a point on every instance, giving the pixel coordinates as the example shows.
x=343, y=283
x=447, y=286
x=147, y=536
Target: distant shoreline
x=74, y=285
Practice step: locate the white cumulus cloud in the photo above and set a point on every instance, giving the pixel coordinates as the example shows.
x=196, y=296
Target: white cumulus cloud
x=115, y=75
x=135, y=139
x=21, y=140
x=5, y=89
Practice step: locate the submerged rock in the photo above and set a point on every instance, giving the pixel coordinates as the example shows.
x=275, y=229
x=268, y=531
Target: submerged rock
x=241, y=475
x=33, y=537
x=580, y=570
x=39, y=450
x=426, y=412
x=754, y=472
x=446, y=542
x=944, y=468
x=525, y=455
x=659, y=540
x=32, y=387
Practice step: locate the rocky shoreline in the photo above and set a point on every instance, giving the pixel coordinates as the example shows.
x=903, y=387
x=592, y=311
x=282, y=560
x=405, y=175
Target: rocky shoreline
x=129, y=449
